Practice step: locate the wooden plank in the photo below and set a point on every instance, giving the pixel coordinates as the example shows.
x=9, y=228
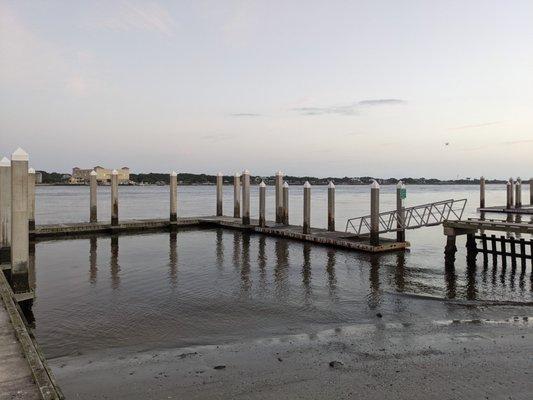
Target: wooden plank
x=504, y=252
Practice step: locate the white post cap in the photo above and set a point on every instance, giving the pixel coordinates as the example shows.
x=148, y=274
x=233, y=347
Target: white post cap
x=19, y=155
x=237, y=175
x=93, y=173
x=307, y=184
x=399, y=185
x=279, y=173
x=5, y=162
x=173, y=173
x=482, y=177
x=220, y=174
x=262, y=184
x=114, y=172
x=331, y=185
x=285, y=185
x=518, y=180
x=31, y=170
x=375, y=185
x=508, y=183
x=246, y=172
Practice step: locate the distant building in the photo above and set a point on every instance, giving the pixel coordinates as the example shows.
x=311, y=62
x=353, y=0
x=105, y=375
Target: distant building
x=102, y=175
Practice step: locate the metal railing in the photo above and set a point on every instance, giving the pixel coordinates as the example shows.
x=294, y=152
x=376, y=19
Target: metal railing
x=414, y=217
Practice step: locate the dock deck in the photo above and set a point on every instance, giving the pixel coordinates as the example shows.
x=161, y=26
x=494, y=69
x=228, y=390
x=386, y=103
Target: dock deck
x=524, y=209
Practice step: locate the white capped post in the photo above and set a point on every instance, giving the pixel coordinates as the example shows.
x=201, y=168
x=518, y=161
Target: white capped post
x=531, y=191
x=482, y=192
x=509, y=195
x=374, y=214
x=173, y=196
x=246, y=197
x=518, y=193
x=331, y=206
x=5, y=209
x=114, y=198
x=307, y=208
x=19, y=218
x=220, y=182
x=285, y=214
x=237, y=195
x=400, y=213
x=279, y=196
x=512, y=191
x=93, y=211
x=262, y=205
x=31, y=199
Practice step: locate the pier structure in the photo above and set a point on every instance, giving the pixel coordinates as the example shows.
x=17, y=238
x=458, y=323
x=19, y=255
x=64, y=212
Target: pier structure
x=307, y=209
x=374, y=214
x=5, y=209
x=31, y=199
x=237, y=195
x=279, y=196
x=246, y=197
x=114, y=198
x=285, y=215
x=173, y=185
x=93, y=203
x=400, y=210
x=331, y=207
x=220, y=194
x=513, y=199
x=262, y=204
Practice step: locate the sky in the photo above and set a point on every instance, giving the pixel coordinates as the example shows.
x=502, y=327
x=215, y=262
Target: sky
x=393, y=88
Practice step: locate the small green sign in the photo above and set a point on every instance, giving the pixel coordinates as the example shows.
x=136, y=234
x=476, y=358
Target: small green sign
x=403, y=193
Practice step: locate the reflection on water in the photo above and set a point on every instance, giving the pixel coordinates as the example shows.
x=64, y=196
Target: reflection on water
x=174, y=289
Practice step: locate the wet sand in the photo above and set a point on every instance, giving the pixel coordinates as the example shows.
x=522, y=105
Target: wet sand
x=485, y=358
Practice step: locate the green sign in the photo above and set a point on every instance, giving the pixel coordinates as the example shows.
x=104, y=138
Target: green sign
x=403, y=193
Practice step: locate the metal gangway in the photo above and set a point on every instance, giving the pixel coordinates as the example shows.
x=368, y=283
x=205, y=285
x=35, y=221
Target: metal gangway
x=415, y=217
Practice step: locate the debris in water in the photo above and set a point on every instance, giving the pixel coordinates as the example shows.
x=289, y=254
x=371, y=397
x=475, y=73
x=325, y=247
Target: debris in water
x=219, y=367
x=335, y=364
x=379, y=315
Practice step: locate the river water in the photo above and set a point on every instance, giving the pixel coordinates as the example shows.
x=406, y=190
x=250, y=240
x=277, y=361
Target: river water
x=208, y=286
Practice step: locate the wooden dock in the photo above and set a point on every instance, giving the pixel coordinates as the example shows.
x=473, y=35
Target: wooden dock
x=525, y=209
x=318, y=236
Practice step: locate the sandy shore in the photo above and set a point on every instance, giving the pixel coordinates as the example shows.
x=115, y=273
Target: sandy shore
x=489, y=358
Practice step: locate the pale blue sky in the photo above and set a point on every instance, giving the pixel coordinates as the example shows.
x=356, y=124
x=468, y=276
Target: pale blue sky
x=310, y=87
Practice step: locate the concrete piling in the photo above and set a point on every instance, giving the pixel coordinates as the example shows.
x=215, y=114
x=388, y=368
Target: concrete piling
x=93, y=202
x=220, y=182
x=31, y=199
x=374, y=214
x=518, y=193
x=482, y=192
x=5, y=209
x=512, y=191
x=285, y=214
x=246, y=197
x=237, y=195
x=114, y=198
x=331, y=207
x=400, y=213
x=173, y=196
x=307, y=208
x=19, y=219
x=509, y=203
x=279, y=196
x=262, y=204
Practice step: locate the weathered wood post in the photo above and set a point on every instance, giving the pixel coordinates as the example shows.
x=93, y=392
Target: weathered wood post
x=237, y=195
x=279, y=196
x=307, y=208
x=262, y=204
x=531, y=191
x=5, y=209
x=512, y=192
x=482, y=192
x=509, y=195
x=220, y=182
x=173, y=196
x=114, y=198
x=19, y=219
x=331, y=207
x=246, y=197
x=31, y=199
x=400, y=212
x=518, y=193
x=374, y=214
x=285, y=219
x=93, y=202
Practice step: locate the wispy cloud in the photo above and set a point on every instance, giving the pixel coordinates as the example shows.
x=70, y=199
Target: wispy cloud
x=349, y=109
x=460, y=128
x=245, y=115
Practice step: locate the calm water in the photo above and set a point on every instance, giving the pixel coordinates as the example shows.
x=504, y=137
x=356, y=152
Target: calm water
x=201, y=286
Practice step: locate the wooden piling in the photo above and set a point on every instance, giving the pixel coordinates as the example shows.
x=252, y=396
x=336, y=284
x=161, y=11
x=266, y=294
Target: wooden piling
x=307, y=208
x=114, y=198
x=518, y=193
x=285, y=216
x=173, y=196
x=400, y=213
x=237, y=195
x=5, y=209
x=262, y=204
x=19, y=217
x=504, y=251
x=220, y=182
x=279, y=196
x=512, y=191
x=509, y=203
x=31, y=199
x=531, y=191
x=512, y=243
x=482, y=192
x=246, y=197
x=331, y=207
x=494, y=250
x=374, y=214
x=93, y=202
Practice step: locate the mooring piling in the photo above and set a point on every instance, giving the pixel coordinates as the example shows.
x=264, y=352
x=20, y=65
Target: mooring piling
x=374, y=214
x=531, y=191
x=262, y=204
x=285, y=214
x=512, y=191
x=246, y=197
x=220, y=182
x=331, y=206
x=5, y=209
x=93, y=202
x=482, y=192
x=19, y=217
x=173, y=196
x=509, y=203
x=279, y=196
x=400, y=212
x=237, y=195
x=518, y=193
x=307, y=208
x=31, y=199
x=114, y=198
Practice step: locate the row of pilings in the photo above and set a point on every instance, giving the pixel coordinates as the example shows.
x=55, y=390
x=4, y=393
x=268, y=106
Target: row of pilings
x=513, y=191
